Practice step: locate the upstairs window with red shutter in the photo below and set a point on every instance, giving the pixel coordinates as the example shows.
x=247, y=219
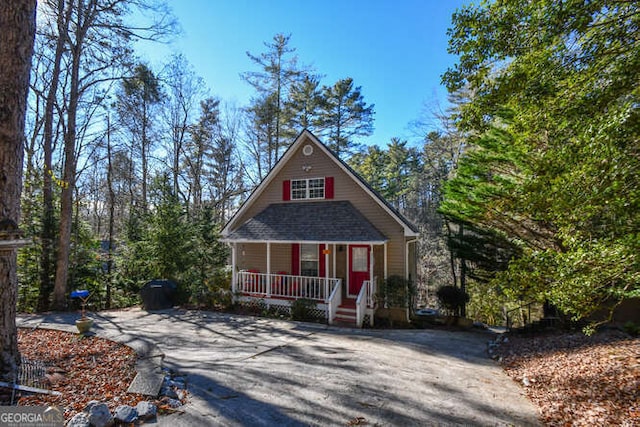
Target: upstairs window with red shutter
x=328, y=187
x=286, y=190
x=308, y=189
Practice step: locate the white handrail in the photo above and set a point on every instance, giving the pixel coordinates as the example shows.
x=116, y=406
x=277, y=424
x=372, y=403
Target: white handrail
x=371, y=292
x=334, y=301
x=361, y=303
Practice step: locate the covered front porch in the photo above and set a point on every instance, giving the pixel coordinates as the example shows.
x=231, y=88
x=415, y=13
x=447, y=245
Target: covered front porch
x=341, y=280
x=326, y=252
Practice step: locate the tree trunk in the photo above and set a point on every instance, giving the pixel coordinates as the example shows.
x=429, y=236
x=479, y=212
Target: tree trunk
x=17, y=24
x=48, y=224
x=144, y=158
x=69, y=177
x=463, y=272
x=452, y=258
x=112, y=207
x=66, y=220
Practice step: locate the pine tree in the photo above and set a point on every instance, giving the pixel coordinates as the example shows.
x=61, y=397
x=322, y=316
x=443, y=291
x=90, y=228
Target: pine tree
x=141, y=93
x=345, y=115
x=304, y=103
x=279, y=71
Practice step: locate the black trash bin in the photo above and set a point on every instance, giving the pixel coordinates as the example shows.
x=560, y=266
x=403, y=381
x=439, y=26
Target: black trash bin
x=158, y=294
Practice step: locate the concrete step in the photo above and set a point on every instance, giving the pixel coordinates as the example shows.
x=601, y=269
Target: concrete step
x=346, y=314
x=344, y=321
x=345, y=317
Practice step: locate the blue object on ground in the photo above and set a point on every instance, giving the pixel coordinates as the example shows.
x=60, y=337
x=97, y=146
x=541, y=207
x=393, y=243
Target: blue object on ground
x=80, y=294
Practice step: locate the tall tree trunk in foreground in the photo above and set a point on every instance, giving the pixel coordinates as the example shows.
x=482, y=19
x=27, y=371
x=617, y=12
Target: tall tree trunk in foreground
x=112, y=209
x=48, y=222
x=69, y=177
x=17, y=32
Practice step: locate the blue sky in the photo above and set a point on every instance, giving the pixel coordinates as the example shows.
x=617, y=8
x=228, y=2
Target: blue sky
x=396, y=50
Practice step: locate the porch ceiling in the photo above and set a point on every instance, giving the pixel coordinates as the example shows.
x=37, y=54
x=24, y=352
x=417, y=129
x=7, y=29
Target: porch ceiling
x=326, y=221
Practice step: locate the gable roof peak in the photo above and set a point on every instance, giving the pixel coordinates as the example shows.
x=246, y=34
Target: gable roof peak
x=306, y=135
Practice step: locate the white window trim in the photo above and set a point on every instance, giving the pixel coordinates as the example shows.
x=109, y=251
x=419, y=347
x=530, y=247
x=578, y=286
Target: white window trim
x=315, y=259
x=308, y=190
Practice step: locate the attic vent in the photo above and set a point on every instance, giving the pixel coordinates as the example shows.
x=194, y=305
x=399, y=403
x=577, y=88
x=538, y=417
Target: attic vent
x=307, y=150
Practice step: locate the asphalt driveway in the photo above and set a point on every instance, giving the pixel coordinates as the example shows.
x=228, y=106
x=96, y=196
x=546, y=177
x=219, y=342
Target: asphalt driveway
x=246, y=371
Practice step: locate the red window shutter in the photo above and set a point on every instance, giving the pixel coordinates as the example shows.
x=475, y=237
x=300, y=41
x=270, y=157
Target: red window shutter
x=328, y=187
x=321, y=261
x=295, y=259
x=286, y=190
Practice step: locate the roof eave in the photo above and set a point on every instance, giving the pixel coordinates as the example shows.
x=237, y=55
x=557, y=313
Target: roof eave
x=312, y=242
x=265, y=182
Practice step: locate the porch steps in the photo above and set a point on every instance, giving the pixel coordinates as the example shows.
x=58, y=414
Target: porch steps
x=346, y=314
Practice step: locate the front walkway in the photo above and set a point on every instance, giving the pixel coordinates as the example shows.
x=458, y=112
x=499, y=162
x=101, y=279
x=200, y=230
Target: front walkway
x=245, y=371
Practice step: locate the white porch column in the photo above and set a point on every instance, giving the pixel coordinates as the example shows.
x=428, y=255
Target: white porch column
x=334, y=259
x=348, y=270
x=386, y=273
x=406, y=260
x=234, y=275
x=372, y=284
x=268, y=269
x=326, y=260
x=326, y=270
x=372, y=262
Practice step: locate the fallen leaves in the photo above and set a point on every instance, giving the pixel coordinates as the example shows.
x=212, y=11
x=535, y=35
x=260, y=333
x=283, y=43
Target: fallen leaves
x=358, y=421
x=81, y=368
x=578, y=380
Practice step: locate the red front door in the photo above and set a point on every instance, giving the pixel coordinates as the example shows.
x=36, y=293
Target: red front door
x=359, y=266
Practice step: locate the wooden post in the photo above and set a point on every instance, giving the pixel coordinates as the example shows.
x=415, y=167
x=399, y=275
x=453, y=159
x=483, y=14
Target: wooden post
x=234, y=275
x=268, y=269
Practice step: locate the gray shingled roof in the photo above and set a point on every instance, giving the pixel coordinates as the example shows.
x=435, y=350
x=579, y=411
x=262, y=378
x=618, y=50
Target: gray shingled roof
x=327, y=221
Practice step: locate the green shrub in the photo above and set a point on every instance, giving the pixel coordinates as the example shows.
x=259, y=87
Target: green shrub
x=631, y=328
x=219, y=293
x=395, y=291
x=487, y=303
x=303, y=310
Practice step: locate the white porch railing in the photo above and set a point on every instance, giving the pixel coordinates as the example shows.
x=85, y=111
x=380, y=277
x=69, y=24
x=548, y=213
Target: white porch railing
x=285, y=286
x=365, y=300
x=335, y=299
x=371, y=292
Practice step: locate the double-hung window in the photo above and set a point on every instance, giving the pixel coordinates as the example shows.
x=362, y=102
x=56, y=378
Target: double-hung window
x=309, y=264
x=312, y=188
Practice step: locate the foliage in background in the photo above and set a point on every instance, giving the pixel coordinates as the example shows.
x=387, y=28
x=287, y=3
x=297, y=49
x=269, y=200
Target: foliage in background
x=171, y=245
x=411, y=179
x=552, y=163
x=343, y=115
x=289, y=99
x=395, y=291
x=487, y=303
x=452, y=299
x=86, y=267
x=217, y=295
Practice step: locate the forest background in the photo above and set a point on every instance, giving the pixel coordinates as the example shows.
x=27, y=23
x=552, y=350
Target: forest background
x=523, y=188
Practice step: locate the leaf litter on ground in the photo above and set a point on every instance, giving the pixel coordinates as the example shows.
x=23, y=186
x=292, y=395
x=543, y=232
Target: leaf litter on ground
x=82, y=368
x=577, y=380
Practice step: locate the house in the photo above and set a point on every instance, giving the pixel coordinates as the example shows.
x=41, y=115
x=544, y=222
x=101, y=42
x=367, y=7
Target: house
x=314, y=229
